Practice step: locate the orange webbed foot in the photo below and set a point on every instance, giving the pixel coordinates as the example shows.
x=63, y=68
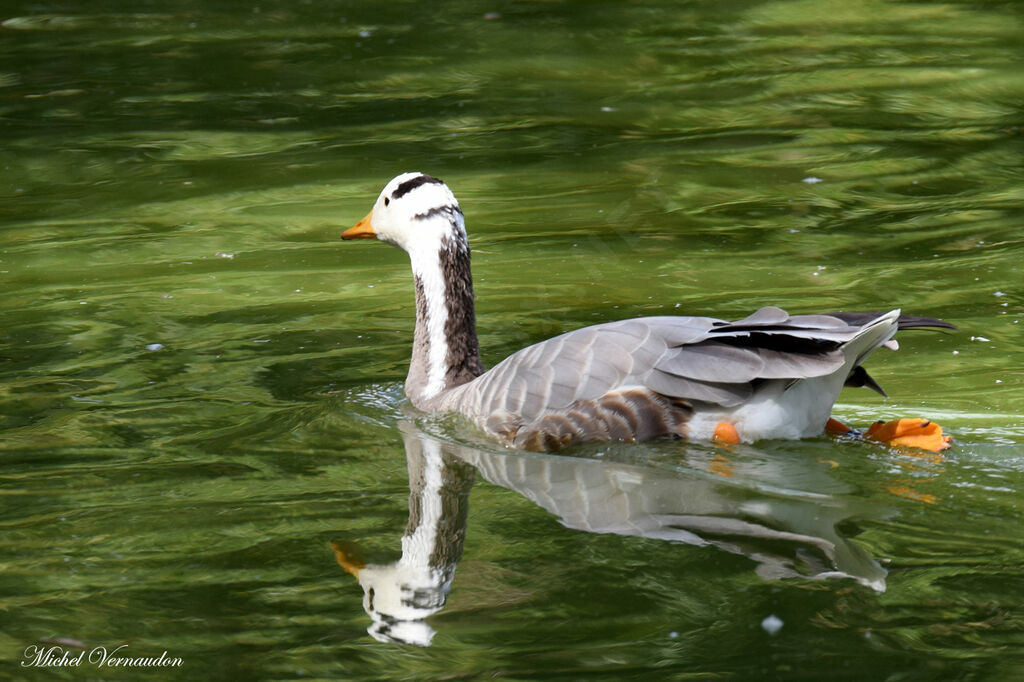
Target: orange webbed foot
x=910, y=432
x=836, y=427
x=726, y=434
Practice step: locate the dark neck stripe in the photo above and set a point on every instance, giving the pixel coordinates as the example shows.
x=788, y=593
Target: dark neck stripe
x=411, y=184
x=460, y=328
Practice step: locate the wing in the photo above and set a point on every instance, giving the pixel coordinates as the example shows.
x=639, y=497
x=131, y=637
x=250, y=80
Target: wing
x=726, y=365
x=580, y=365
x=692, y=358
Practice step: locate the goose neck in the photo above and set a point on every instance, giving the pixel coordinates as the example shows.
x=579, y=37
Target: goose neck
x=445, y=348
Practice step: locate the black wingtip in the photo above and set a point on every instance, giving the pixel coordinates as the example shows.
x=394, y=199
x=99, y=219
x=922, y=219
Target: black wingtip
x=919, y=322
x=859, y=378
x=905, y=321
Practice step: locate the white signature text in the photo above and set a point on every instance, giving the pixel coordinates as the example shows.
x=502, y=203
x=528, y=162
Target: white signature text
x=36, y=656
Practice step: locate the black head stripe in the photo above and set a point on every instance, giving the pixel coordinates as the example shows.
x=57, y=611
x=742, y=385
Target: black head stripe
x=413, y=183
x=448, y=211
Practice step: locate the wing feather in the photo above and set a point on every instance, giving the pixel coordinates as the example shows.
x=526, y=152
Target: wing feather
x=676, y=386
x=690, y=358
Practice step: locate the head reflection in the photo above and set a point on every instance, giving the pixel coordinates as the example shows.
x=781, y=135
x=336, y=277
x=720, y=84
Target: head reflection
x=400, y=596
x=786, y=533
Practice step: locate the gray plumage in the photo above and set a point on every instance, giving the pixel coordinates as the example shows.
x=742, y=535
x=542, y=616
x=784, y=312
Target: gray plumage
x=570, y=388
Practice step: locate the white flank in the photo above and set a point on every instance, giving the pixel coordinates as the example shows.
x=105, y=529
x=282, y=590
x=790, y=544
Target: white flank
x=800, y=410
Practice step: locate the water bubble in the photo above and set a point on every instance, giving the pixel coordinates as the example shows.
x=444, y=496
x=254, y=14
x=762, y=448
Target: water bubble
x=771, y=624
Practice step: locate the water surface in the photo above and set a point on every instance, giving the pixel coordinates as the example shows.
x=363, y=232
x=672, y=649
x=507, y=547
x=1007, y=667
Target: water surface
x=200, y=386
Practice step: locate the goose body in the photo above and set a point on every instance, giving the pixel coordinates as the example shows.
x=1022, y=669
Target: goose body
x=769, y=375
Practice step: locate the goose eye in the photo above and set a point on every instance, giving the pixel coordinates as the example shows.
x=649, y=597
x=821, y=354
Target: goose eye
x=387, y=201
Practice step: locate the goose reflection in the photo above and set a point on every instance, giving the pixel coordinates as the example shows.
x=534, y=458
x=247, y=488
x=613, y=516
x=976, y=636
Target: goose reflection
x=786, y=533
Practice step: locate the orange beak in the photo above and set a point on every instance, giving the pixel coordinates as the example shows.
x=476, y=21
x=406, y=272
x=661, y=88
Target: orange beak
x=348, y=557
x=361, y=230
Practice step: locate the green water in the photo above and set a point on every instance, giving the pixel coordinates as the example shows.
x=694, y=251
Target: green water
x=200, y=385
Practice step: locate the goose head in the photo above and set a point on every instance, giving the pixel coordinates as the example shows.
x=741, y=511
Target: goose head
x=415, y=212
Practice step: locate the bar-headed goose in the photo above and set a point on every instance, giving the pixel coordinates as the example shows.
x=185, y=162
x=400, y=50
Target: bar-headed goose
x=769, y=375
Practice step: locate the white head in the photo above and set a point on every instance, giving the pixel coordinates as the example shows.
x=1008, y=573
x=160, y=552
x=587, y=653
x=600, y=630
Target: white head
x=400, y=596
x=414, y=212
